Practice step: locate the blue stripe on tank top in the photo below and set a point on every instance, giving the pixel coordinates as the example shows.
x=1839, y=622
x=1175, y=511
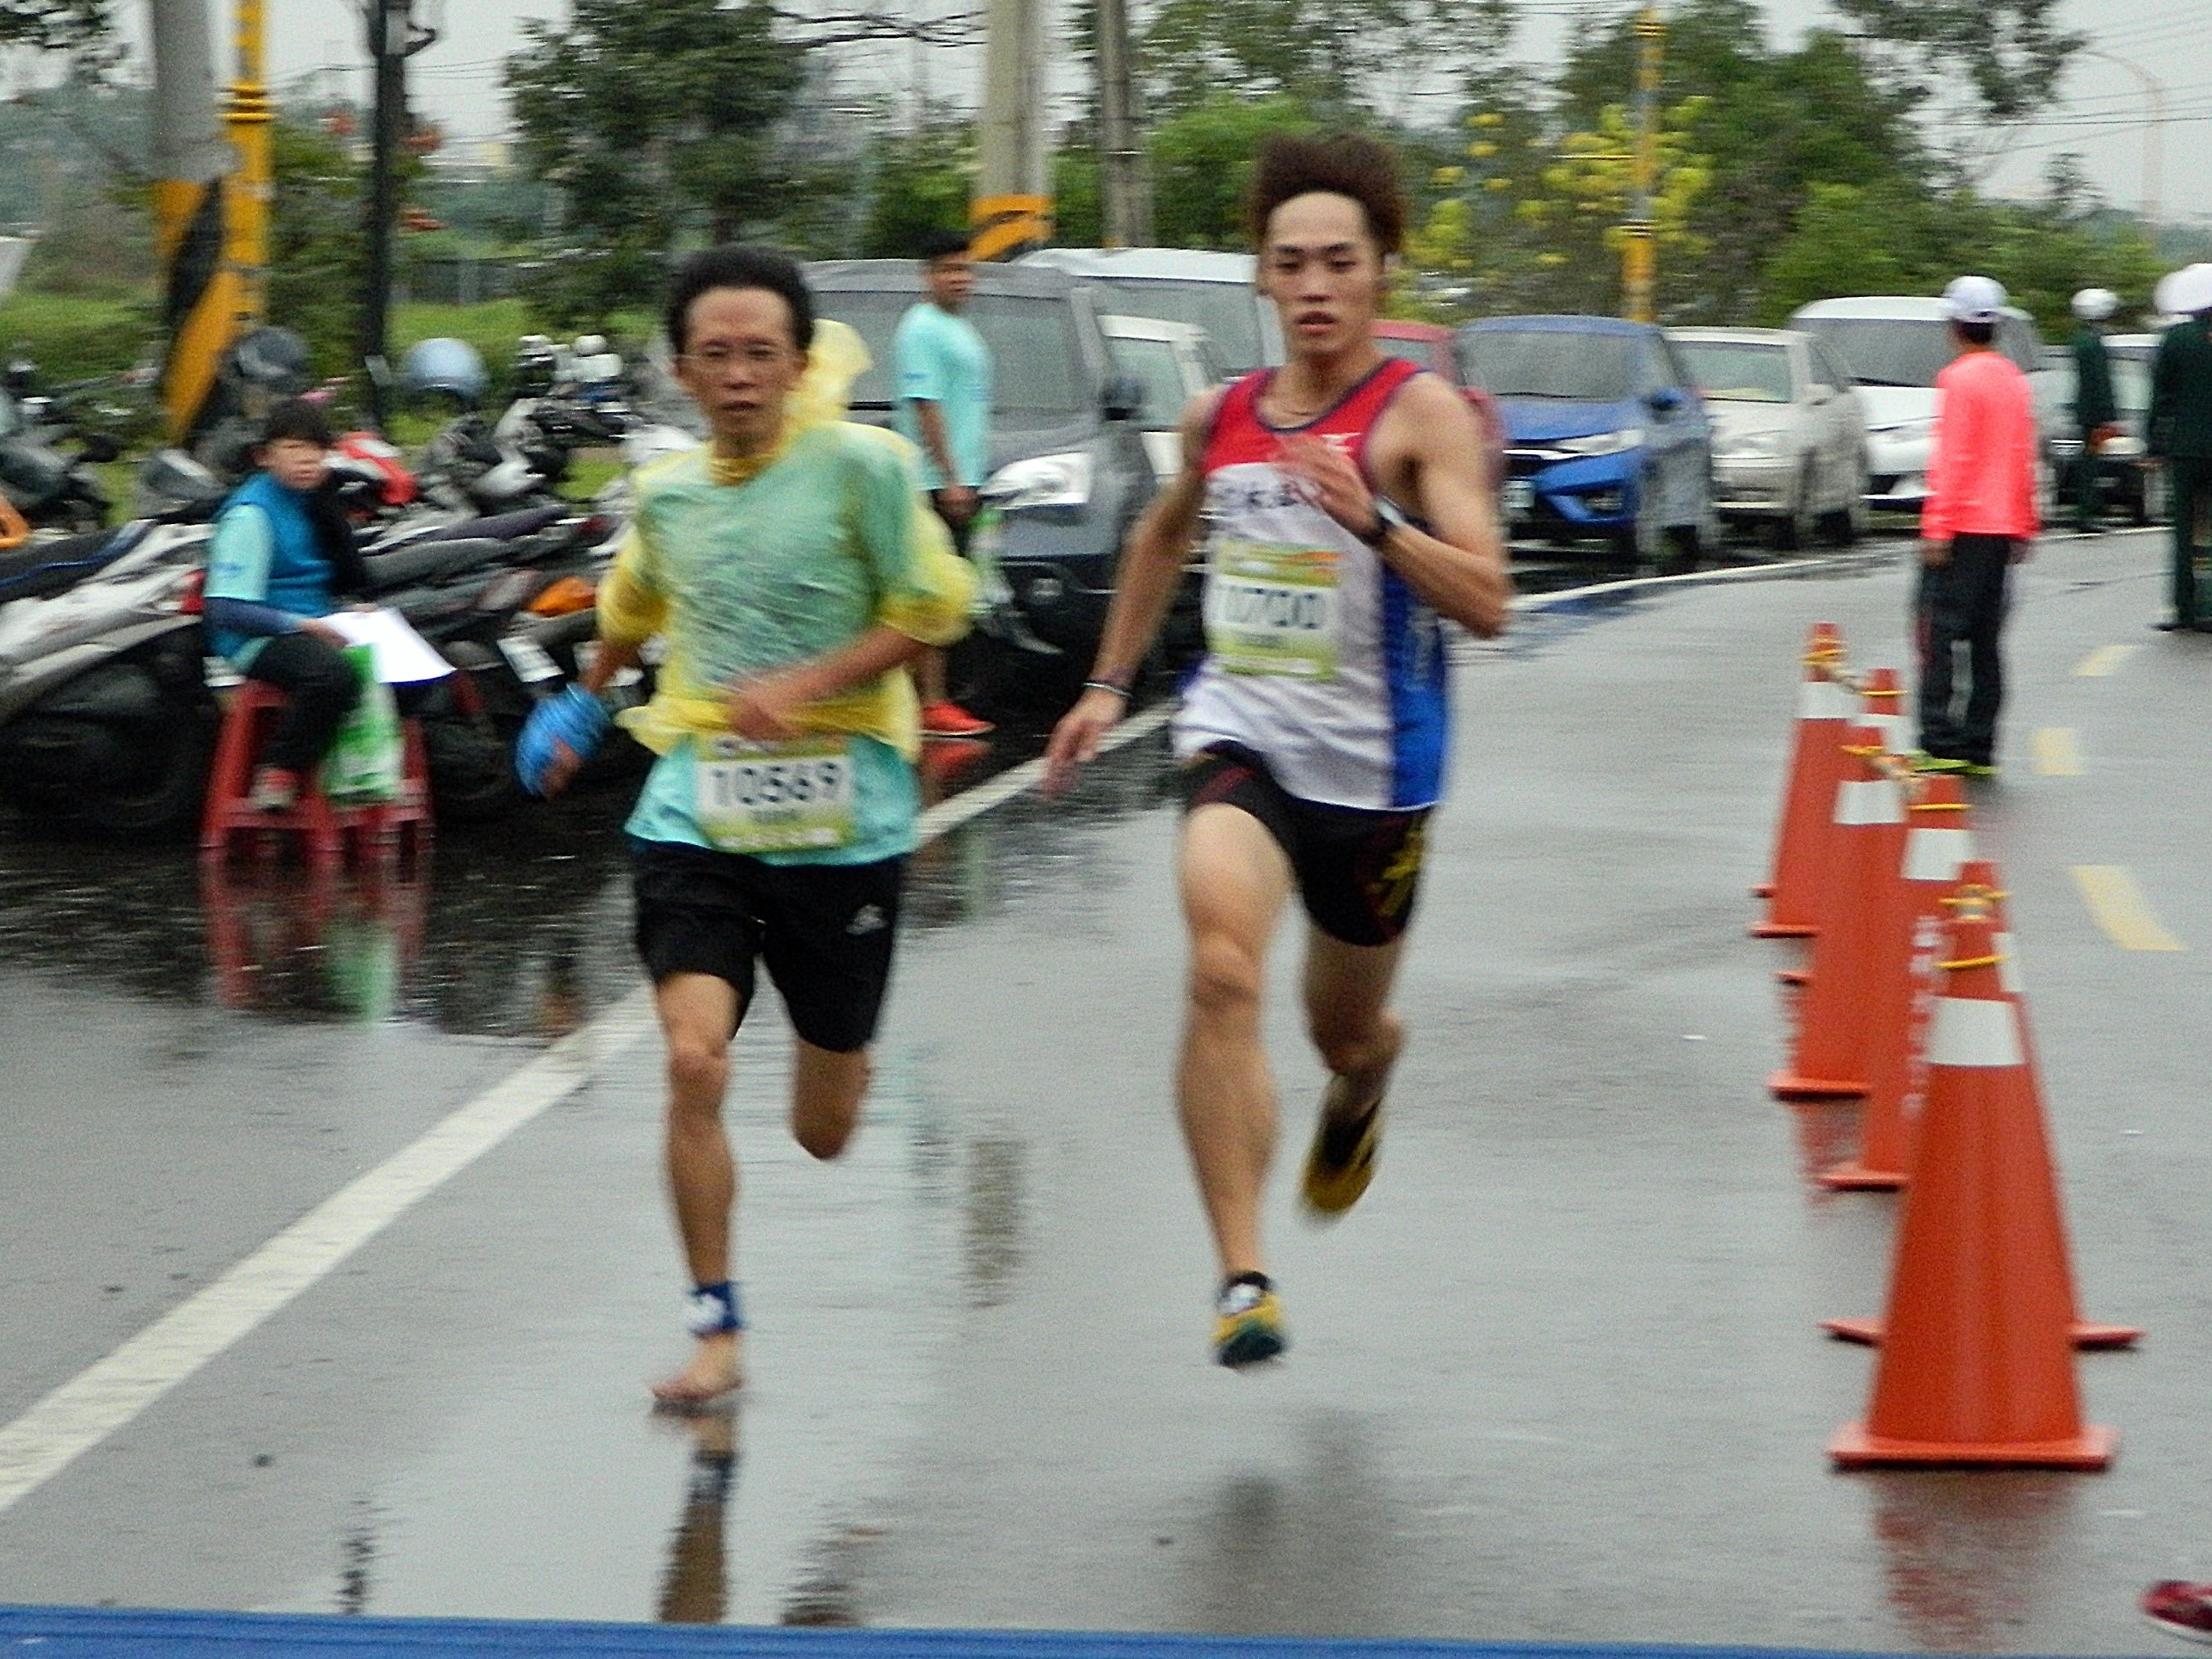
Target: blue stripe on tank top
x=1414, y=671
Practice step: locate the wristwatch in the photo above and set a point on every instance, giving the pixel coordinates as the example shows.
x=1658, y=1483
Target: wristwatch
x=1386, y=519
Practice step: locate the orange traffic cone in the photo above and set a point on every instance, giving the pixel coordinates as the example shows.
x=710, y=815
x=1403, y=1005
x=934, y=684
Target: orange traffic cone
x=1977, y=1364
x=1977, y=882
x=1828, y=1058
x=1936, y=842
x=1815, y=768
x=1878, y=704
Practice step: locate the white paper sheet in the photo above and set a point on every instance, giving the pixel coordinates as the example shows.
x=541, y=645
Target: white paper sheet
x=402, y=656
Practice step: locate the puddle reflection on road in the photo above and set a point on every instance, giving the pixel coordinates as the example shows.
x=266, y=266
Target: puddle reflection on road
x=1966, y=1554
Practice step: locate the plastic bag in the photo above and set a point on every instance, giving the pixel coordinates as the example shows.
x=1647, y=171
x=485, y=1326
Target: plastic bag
x=367, y=758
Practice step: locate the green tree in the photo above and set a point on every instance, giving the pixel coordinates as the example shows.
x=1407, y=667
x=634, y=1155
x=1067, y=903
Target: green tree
x=657, y=124
x=917, y=181
x=1202, y=162
x=316, y=273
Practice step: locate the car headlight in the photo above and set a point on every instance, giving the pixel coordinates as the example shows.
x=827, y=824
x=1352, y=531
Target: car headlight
x=1750, y=444
x=1043, y=481
x=1602, y=443
x=1907, y=432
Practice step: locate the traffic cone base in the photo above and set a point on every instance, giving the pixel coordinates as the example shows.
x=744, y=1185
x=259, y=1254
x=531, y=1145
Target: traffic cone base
x=1782, y=930
x=1794, y=976
x=1786, y=1086
x=1764, y=890
x=2086, y=1334
x=1857, y=1178
x=1853, y=1448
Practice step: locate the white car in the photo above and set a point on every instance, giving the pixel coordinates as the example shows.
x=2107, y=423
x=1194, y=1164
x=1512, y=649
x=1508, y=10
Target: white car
x=1171, y=363
x=1789, y=443
x=1209, y=290
x=1894, y=346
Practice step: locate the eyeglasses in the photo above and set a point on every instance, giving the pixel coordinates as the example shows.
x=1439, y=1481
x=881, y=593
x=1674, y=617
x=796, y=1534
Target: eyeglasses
x=716, y=360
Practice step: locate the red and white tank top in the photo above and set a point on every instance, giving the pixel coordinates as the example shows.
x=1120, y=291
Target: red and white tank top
x=1320, y=658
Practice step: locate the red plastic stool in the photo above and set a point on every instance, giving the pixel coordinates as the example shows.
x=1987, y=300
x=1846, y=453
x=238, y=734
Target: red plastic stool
x=378, y=831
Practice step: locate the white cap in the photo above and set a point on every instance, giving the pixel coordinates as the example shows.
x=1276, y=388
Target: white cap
x=2095, y=305
x=2185, y=292
x=1974, y=300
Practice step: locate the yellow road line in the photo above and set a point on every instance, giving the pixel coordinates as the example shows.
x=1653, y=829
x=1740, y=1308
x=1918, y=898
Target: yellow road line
x=2104, y=660
x=2056, y=753
x=2120, y=910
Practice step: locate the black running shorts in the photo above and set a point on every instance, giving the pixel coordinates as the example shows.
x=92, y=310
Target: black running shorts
x=1358, y=871
x=824, y=931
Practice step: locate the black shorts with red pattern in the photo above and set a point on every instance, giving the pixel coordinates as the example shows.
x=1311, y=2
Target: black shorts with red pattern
x=1358, y=871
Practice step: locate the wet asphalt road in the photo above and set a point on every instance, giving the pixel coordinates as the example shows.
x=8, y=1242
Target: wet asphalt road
x=1558, y=1379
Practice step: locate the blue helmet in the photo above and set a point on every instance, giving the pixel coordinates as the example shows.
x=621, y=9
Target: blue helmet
x=450, y=368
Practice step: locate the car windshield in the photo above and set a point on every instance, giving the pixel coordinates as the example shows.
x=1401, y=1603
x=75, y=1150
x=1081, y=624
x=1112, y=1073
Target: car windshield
x=1228, y=312
x=1159, y=372
x=1591, y=368
x=1736, y=372
x=1036, y=375
x=1898, y=351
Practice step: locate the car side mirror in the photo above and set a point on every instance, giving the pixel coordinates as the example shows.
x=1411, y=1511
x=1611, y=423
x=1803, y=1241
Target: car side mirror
x=1664, y=400
x=1122, y=397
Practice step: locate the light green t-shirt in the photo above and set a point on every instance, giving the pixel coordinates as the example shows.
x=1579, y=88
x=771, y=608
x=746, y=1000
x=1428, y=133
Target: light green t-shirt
x=940, y=358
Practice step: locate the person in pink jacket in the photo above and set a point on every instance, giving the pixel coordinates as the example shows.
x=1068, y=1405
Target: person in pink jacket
x=1979, y=521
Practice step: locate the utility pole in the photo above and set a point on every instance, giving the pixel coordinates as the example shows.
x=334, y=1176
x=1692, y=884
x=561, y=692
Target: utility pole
x=392, y=40
x=1640, y=249
x=199, y=292
x=1126, y=194
x=253, y=194
x=1013, y=208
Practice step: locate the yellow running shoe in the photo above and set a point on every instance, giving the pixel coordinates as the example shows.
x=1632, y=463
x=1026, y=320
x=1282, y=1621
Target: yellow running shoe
x=1248, y=1325
x=1341, y=1161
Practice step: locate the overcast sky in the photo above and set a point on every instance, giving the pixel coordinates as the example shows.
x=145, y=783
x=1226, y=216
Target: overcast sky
x=456, y=80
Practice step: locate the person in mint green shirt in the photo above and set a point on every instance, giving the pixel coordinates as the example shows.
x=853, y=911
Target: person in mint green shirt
x=793, y=569
x=942, y=366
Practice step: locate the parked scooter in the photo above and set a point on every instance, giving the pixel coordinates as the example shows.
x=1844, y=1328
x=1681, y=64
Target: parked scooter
x=106, y=720
x=50, y=488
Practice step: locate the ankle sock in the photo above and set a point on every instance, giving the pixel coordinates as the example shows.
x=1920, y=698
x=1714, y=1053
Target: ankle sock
x=712, y=1309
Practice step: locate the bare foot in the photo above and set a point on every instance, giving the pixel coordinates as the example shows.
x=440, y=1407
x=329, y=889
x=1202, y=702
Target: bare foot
x=716, y=1367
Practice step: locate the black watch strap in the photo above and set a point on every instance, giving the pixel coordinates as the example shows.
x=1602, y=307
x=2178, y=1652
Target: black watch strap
x=1386, y=519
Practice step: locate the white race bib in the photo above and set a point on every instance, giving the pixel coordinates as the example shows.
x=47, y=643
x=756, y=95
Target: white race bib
x=789, y=796
x=1272, y=608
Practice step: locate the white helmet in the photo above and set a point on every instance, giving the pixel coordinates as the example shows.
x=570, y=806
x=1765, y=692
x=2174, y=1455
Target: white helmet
x=2185, y=292
x=1974, y=300
x=2095, y=305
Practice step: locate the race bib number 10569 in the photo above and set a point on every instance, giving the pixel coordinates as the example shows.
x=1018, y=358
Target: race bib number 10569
x=774, y=797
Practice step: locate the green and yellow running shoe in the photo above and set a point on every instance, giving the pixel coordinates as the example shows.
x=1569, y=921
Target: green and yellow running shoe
x=1341, y=1161
x=1248, y=1325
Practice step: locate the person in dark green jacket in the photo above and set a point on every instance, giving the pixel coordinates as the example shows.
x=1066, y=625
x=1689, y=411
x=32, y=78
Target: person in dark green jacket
x=2096, y=412
x=2181, y=430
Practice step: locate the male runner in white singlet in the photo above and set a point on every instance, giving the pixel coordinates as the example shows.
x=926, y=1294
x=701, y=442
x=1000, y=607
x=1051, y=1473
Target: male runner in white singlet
x=1349, y=506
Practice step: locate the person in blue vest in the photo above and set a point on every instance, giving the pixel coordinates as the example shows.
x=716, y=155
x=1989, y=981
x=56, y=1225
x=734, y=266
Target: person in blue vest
x=281, y=557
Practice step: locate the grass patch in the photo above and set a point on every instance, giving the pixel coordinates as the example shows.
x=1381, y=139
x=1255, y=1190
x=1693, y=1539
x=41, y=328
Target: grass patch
x=76, y=336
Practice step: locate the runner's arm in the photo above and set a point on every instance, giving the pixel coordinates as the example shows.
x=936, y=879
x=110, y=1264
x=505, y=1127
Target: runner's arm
x=1458, y=563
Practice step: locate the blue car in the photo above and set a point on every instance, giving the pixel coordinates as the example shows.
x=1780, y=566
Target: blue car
x=1607, y=435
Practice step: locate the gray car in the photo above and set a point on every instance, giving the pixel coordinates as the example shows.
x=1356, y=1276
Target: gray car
x=1789, y=448
x=1211, y=291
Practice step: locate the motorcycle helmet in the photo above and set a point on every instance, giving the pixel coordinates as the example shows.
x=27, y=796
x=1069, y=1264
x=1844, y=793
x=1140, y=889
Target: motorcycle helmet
x=443, y=368
x=537, y=365
x=271, y=360
x=2095, y=305
x=173, y=485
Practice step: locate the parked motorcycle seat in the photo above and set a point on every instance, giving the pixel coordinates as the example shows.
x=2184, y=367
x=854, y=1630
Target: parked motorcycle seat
x=45, y=568
x=427, y=561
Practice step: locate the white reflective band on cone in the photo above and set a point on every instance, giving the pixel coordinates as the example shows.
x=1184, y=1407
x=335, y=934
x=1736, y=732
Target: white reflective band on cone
x=1936, y=854
x=1877, y=800
x=2008, y=971
x=1822, y=700
x=1970, y=1032
x=1895, y=729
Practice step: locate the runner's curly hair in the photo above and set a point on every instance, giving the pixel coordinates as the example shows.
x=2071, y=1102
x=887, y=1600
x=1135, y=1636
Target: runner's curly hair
x=1343, y=164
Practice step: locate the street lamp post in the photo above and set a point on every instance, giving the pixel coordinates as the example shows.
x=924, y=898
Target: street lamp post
x=2153, y=129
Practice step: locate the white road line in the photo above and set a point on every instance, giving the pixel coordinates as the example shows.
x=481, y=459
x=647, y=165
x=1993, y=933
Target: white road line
x=2057, y=754
x=103, y=1398
x=2103, y=660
